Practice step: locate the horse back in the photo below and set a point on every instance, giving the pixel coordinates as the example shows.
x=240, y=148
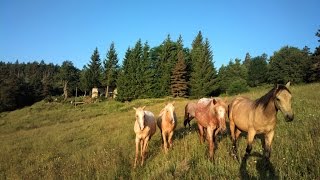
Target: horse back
x=150, y=122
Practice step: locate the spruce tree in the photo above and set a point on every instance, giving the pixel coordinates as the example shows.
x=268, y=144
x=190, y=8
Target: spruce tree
x=126, y=79
x=203, y=76
x=179, y=86
x=94, y=70
x=247, y=60
x=110, y=68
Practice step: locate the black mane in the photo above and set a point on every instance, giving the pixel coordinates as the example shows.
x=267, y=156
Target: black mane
x=265, y=99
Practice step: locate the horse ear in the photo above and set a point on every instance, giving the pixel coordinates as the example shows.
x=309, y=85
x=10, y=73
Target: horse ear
x=288, y=84
x=134, y=108
x=143, y=107
x=173, y=102
x=214, y=101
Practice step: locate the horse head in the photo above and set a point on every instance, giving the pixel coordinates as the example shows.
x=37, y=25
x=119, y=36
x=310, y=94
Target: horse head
x=220, y=109
x=140, y=116
x=170, y=110
x=283, y=101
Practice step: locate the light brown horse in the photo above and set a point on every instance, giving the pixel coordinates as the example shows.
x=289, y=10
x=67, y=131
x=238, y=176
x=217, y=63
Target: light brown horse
x=167, y=122
x=259, y=117
x=144, y=127
x=211, y=116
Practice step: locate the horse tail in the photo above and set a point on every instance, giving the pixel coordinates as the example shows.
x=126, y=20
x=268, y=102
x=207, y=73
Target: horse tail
x=186, y=116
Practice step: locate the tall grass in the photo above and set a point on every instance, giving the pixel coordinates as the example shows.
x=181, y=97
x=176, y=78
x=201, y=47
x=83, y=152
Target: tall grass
x=53, y=140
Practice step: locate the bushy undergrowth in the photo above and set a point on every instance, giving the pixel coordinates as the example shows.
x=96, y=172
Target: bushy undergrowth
x=90, y=141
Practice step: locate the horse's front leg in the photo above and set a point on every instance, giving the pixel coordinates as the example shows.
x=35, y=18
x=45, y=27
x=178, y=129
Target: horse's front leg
x=268, y=140
x=165, y=144
x=210, y=137
x=137, y=152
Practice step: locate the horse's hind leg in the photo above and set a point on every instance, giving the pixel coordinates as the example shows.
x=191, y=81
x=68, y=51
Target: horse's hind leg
x=143, y=149
x=234, y=137
x=251, y=134
x=268, y=141
x=201, y=133
x=170, y=139
x=210, y=137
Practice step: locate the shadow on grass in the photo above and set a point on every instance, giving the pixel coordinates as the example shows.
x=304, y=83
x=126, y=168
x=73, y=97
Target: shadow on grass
x=264, y=167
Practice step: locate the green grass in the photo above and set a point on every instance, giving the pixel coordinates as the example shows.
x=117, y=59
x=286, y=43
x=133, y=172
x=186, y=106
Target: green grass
x=53, y=140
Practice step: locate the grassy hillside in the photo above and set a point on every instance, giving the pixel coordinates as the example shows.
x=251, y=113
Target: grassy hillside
x=97, y=141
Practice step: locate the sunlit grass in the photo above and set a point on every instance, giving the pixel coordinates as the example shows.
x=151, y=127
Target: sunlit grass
x=53, y=140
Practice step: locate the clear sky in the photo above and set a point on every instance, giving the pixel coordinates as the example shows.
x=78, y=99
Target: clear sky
x=58, y=30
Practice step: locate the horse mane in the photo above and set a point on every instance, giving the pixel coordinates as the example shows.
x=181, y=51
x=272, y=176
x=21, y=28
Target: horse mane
x=264, y=100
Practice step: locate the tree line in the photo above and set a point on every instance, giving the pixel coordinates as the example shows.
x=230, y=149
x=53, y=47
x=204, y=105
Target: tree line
x=169, y=69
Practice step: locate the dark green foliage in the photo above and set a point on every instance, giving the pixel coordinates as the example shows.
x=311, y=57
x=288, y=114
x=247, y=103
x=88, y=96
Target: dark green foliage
x=237, y=86
x=94, y=67
x=69, y=77
x=203, y=76
x=84, y=84
x=313, y=67
x=165, y=61
x=288, y=64
x=257, y=70
x=233, y=72
x=24, y=84
x=125, y=81
x=111, y=68
x=247, y=60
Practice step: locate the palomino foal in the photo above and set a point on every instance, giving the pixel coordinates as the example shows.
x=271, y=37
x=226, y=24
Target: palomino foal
x=144, y=127
x=167, y=122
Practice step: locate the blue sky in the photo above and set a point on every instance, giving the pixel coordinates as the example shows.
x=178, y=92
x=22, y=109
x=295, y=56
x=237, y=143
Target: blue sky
x=58, y=30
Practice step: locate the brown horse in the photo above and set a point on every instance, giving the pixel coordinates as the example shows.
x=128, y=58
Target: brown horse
x=259, y=116
x=144, y=127
x=189, y=113
x=211, y=116
x=167, y=122
x=190, y=109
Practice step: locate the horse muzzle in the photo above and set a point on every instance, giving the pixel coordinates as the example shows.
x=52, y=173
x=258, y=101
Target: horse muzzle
x=289, y=117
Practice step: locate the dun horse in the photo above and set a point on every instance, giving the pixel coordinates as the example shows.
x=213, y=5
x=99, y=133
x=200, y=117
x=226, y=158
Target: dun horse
x=144, y=127
x=259, y=117
x=211, y=116
x=167, y=122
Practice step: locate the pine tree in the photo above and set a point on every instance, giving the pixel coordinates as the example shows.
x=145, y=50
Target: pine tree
x=148, y=73
x=203, y=76
x=166, y=61
x=247, y=60
x=110, y=68
x=179, y=86
x=126, y=79
x=94, y=70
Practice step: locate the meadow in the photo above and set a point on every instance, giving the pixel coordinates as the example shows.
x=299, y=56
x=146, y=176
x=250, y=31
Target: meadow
x=96, y=141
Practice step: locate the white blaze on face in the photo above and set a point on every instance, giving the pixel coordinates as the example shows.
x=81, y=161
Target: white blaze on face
x=221, y=111
x=140, y=119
